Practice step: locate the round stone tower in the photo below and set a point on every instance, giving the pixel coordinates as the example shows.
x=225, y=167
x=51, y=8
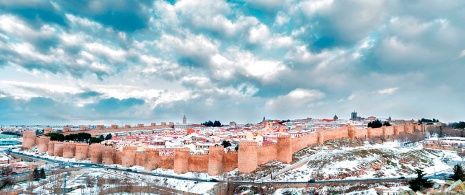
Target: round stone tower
x=140, y=158
x=43, y=143
x=69, y=149
x=247, y=157
x=128, y=156
x=58, y=149
x=181, y=160
x=82, y=150
x=29, y=139
x=369, y=129
x=47, y=130
x=51, y=147
x=215, y=160
x=108, y=155
x=96, y=153
x=321, y=137
x=396, y=130
x=152, y=158
x=284, y=148
x=351, y=131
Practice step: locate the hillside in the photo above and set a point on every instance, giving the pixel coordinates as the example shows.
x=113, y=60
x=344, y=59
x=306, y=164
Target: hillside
x=387, y=160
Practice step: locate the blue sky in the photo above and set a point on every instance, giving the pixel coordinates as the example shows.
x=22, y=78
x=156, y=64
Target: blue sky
x=150, y=61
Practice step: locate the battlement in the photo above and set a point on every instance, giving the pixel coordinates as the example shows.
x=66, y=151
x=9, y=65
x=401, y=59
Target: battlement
x=152, y=150
x=200, y=154
x=129, y=148
x=268, y=145
x=182, y=149
x=47, y=130
x=282, y=136
x=231, y=152
x=29, y=134
x=248, y=143
x=216, y=147
x=69, y=145
x=96, y=146
x=82, y=144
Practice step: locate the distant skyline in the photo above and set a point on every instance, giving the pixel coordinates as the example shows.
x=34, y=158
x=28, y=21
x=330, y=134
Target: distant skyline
x=128, y=62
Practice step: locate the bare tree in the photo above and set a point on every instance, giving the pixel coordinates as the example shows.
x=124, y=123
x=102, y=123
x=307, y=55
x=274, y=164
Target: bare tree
x=6, y=170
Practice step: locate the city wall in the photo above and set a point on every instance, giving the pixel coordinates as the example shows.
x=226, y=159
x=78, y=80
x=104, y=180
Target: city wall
x=100, y=129
x=216, y=161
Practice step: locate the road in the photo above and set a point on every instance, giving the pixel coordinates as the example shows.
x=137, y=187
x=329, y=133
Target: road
x=112, y=167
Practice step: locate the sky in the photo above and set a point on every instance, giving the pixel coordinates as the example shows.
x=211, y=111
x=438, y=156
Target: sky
x=127, y=62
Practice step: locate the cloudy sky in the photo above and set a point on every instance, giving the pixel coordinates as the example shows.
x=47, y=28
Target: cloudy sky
x=128, y=62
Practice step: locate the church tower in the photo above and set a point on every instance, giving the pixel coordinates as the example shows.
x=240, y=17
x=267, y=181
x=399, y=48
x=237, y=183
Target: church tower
x=184, y=120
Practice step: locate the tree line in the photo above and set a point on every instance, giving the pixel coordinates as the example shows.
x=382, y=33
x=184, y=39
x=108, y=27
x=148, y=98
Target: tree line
x=78, y=137
x=457, y=125
x=377, y=124
x=212, y=124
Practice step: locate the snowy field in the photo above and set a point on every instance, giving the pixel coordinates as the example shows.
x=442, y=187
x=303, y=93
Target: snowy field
x=386, y=160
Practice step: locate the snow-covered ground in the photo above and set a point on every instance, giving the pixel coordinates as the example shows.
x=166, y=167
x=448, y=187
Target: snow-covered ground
x=35, y=152
x=386, y=160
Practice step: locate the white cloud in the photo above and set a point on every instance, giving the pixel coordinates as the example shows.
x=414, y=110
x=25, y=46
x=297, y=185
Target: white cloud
x=295, y=104
x=245, y=63
x=281, y=19
x=311, y=7
x=462, y=53
x=258, y=35
x=387, y=91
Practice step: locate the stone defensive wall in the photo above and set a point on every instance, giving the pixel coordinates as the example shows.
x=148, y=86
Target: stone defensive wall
x=51, y=147
x=108, y=155
x=268, y=153
x=95, y=153
x=69, y=149
x=100, y=129
x=29, y=139
x=43, y=143
x=58, y=149
x=217, y=160
x=82, y=151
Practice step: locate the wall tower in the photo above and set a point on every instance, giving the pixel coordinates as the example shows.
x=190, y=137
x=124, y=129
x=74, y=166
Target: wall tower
x=58, y=149
x=128, y=156
x=69, y=149
x=96, y=153
x=43, y=143
x=181, y=160
x=108, y=155
x=215, y=160
x=82, y=150
x=29, y=139
x=247, y=157
x=284, y=148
